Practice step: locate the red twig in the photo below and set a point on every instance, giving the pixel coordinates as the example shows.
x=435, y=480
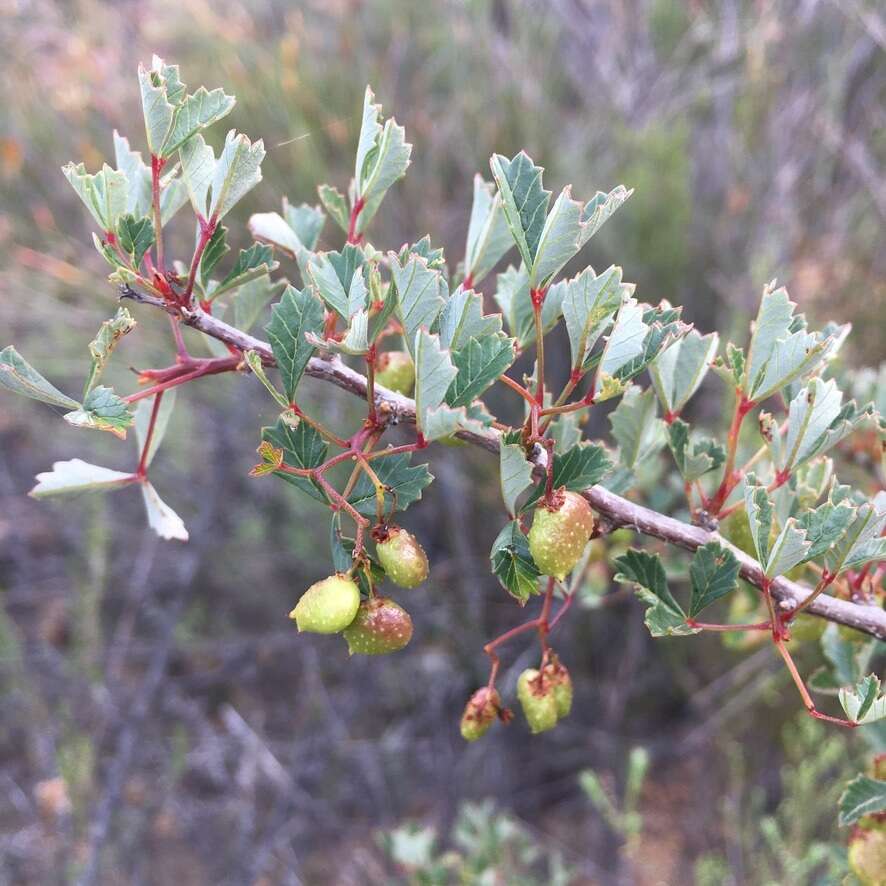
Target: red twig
x=142, y=469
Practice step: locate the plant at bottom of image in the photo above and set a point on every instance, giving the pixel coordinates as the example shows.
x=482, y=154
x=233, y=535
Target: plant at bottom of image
x=807, y=542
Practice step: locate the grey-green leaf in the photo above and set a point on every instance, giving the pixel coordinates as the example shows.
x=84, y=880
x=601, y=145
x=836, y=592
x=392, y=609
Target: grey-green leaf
x=17, y=375
x=297, y=313
x=713, y=574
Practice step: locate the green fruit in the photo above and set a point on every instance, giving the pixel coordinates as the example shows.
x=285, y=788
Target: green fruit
x=537, y=700
x=561, y=684
x=558, y=537
x=328, y=606
x=480, y=713
x=395, y=370
x=381, y=626
x=867, y=856
x=402, y=558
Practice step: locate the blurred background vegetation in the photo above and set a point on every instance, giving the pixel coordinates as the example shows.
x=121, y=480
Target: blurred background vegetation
x=161, y=720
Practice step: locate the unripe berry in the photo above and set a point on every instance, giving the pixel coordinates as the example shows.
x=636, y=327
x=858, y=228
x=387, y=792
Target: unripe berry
x=402, y=558
x=867, y=856
x=328, y=606
x=537, y=700
x=559, y=534
x=381, y=626
x=561, y=684
x=480, y=712
x=395, y=370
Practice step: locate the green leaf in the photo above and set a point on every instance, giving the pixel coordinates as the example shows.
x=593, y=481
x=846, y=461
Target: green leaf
x=161, y=518
x=664, y=615
x=173, y=195
x=624, y=344
x=515, y=473
x=560, y=239
x=489, y=237
x=307, y=221
x=576, y=469
x=512, y=564
x=254, y=361
x=434, y=372
x=336, y=205
x=76, y=476
x=136, y=237
x=421, y=293
x=636, y=428
x=599, y=209
x=434, y=257
x=142, y=420
x=862, y=796
x=588, y=306
x=138, y=177
x=197, y=112
x=790, y=548
x=462, y=318
x=479, y=363
x=705, y=455
x=524, y=201
x=297, y=313
x=760, y=512
x=157, y=103
x=382, y=158
x=713, y=574
x=825, y=525
x=513, y=298
x=237, y=172
x=102, y=410
x=198, y=170
x=863, y=703
x=403, y=484
x=862, y=542
x=253, y=262
x=303, y=447
x=102, y=346
x=215, y=250
x=18, y=376
x=677, y=371
x=105, y=193
x=252, y=298
x=354, y=342
x=336, y=274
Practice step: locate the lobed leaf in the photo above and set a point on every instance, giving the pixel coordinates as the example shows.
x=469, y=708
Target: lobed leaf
x=18, y=376
x=297, y=313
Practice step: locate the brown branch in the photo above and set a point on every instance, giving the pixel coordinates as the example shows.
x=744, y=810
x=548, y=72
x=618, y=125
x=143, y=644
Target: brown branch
x=615, y=510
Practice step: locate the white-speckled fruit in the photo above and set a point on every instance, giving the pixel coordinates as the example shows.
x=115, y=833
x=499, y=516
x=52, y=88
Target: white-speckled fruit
x=537, y=700
x=558, y=537
x=381, y=626
x=480, y=713
x=403, y=558
x=561, y=685
x=328, y=606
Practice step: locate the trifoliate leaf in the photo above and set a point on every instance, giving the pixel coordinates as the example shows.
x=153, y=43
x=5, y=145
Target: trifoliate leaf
x=157, y=104
x=513, y=298
x=403, y=484
x=579, y=467
x=862, y=542
x=104, y=193
x=18, y=376
x=297, y=313
x=695, y=460
x=560, y=239
x=253, y=262
x=512, y=563
x=825, y=525
x=421, y=294
x=589, y=304
x=677, y=371
x=102, y=410
x=335, y=275
x=664, y=615
x=863, y=703
x=462, y=319
x=237, y=171
x=303, y=447
x=142, y=421
x=713, y=574
x=161, y=518
x=434, y=372
x=515, y=473
x=599, y=209
x=636, y=428
x=489, y=237
x=76, y=476
x=479, y=363
x=862, y=796
x=524, y=201
x=102, y=346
